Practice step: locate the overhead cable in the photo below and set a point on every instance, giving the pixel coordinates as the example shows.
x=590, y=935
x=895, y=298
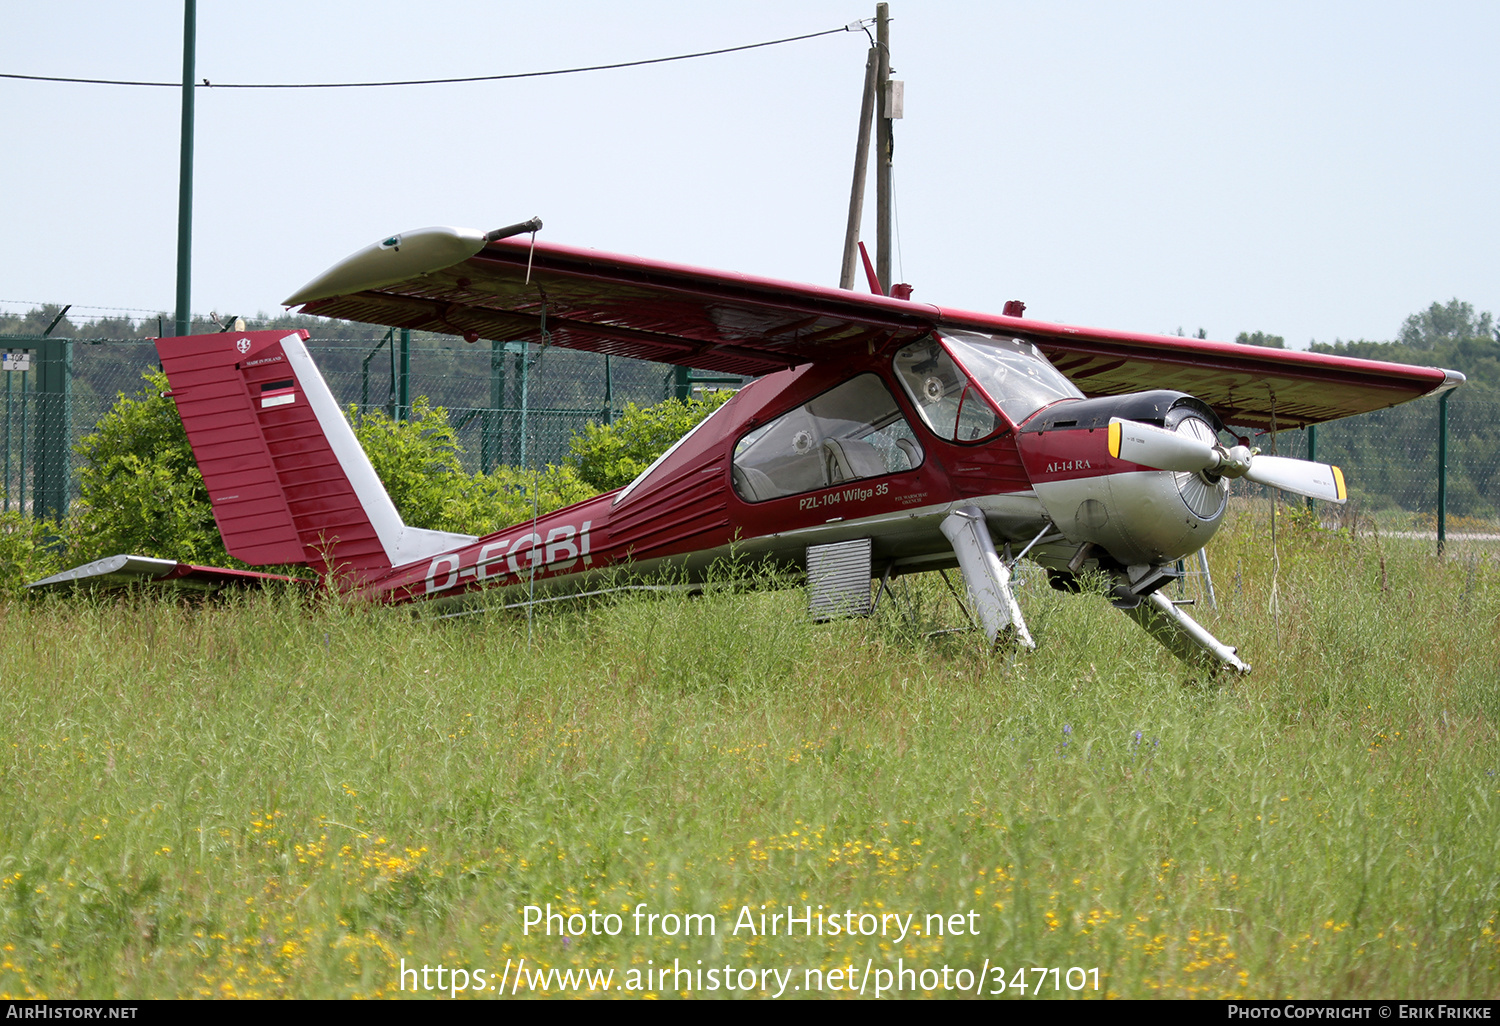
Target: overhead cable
x=206, y=84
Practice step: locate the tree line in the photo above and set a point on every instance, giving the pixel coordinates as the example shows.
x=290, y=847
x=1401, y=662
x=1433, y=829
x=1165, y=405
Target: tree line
x=1390, y=456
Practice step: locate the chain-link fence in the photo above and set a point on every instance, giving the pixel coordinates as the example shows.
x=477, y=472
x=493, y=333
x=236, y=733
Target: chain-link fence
x=56, y=390
x=1390, y=461
x=1389, y=458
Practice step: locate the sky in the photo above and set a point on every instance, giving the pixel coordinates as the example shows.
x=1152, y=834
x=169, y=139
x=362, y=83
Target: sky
x=1314, y=170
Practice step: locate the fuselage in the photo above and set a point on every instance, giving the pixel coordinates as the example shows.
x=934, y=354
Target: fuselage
x=876, y=444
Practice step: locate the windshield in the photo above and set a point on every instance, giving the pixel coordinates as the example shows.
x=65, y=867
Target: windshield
x=944, y=396
x=1012, y=372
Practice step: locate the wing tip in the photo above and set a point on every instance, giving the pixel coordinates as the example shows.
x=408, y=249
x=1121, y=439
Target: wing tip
x=1451, y=380
x=394, y=258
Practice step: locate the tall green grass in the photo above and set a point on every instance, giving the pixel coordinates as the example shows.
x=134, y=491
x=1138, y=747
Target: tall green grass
x=279, y=796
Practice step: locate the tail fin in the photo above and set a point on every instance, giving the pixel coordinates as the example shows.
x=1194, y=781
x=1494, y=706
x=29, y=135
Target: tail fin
x=286, y=476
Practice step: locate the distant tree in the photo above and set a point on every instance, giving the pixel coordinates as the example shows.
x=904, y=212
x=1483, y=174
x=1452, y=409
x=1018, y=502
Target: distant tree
x=1390, y=454
x=1453, y=321
x=35, y=321
x=1260, y=338
x=1444, y=335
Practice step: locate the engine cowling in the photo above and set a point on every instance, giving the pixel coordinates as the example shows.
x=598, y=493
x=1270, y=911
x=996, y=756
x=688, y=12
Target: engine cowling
x=1138, y=515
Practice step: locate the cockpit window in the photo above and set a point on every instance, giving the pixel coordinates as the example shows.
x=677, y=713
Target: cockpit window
x=943, y=394
x=1012, y=371
x=848, y=433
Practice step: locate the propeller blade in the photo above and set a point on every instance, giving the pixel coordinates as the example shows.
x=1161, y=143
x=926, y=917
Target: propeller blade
x=1152, y=446
x=1301, y=477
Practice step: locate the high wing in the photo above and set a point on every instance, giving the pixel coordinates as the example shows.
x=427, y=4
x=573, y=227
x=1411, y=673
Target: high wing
x=464, y=282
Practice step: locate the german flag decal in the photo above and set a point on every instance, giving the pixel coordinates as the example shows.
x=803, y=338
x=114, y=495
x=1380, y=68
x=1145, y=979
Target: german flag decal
x=277, y=393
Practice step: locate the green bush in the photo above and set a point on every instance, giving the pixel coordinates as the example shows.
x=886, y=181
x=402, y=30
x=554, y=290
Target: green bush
x=140, y=488
x=614, y=455
x=27, y=552
x=417, y=459
x=142, y=492
x=485, y=503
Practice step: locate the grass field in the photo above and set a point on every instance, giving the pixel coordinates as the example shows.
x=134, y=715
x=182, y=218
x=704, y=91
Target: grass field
x=281, y=797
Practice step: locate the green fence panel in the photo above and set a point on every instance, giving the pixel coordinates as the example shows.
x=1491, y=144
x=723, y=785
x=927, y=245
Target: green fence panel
x=1390, y=461
x=1389, y=457
x=480, y=386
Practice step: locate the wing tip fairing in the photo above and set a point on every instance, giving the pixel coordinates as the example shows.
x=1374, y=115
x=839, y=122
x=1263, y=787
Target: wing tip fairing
x=394, y=258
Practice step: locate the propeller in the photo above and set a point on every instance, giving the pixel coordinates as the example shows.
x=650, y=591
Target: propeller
x=1151, y=446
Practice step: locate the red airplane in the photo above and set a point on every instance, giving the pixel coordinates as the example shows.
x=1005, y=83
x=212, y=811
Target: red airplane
x=880, y=437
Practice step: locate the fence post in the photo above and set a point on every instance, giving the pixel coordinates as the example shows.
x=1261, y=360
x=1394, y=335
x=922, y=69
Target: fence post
x=1442, y=496
x=21, y=468
x=510, y=392
x=403, y=386
x=488, y=434
x=609, y=391
x=8, y=375
x=52, y=455
x=525, y=399
x=183, y=323
x=1312, y=452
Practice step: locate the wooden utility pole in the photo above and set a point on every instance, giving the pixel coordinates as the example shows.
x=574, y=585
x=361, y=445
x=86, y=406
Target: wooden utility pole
x=883, y=149
x=861, y=162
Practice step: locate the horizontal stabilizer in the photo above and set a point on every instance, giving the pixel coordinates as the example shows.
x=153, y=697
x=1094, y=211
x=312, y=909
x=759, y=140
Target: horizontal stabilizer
x=119, y=571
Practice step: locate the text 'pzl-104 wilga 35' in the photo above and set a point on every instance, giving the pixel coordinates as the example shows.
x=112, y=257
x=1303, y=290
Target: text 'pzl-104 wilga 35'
x=880, y=437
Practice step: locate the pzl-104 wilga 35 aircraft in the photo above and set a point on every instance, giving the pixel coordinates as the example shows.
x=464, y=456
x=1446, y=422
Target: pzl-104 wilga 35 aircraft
x=880, y=437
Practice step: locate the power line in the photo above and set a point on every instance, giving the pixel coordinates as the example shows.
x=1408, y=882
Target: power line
x=206, y=84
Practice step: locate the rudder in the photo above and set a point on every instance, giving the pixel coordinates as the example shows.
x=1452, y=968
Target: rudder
x=287, y=478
